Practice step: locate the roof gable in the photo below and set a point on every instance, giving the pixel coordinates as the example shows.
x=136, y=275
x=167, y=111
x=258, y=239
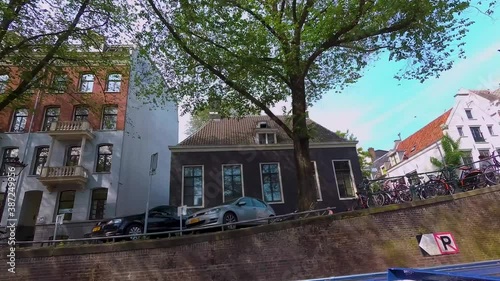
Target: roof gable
x=243, y=131
x=423, y=138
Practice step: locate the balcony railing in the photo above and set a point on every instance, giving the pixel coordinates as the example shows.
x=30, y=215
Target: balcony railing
x=70, y=130
x=65, y=175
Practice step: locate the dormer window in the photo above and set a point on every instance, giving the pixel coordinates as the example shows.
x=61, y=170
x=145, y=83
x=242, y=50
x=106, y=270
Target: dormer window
x=262, y=125
x=267, y=138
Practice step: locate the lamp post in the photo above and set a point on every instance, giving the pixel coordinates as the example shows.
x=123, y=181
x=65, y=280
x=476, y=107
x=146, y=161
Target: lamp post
x=17, y=165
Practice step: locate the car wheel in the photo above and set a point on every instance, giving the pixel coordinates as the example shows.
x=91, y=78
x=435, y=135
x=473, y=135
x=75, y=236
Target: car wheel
x=271, y=219
x=134, y=229
x=230, y=217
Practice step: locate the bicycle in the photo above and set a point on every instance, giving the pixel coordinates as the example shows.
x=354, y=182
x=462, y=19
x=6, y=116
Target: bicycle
x=367, y=198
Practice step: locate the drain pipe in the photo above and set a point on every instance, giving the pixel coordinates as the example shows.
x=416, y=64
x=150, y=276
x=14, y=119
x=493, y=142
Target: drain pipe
x=25, y=153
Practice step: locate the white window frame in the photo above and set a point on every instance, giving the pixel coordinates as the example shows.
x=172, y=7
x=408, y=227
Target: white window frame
x=86, y=81
x=318, y=187
x=223, y=183
x=114, y=80
x=352, y=179
x=490, y=129
x=262, y=183
x=202, y=186
x=267, y=139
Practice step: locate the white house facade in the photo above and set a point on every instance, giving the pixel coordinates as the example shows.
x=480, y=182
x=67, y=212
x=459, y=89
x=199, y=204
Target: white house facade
x=474, y=119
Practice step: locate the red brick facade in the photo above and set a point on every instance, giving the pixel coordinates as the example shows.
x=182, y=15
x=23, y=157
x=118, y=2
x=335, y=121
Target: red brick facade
x=72, y=98
x=346, y=243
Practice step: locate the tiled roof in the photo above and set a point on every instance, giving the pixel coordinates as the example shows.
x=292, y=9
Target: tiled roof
x=488, y=94
x=242, y=131
x=424, y=137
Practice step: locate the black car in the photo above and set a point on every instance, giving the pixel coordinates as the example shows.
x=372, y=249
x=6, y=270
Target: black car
x=160, y=219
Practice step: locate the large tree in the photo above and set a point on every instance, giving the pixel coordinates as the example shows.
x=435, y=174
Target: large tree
x=37, y=37
x=251, y=54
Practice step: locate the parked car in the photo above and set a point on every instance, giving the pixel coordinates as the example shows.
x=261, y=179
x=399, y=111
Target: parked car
x=241, y=209
x=160, y=219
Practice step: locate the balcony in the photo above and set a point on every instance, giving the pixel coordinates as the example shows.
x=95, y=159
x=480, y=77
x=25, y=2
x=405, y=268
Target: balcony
x=70, y=130
x=74, y=176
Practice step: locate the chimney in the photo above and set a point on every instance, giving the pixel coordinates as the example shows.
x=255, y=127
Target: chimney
x=372, y=153
x=214, y=116
x=396, y=143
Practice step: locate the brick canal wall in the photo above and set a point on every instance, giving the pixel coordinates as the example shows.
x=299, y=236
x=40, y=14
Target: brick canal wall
x=347, y=243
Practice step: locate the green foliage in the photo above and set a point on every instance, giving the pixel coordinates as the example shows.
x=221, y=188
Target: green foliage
x=41, y=38
x=346, y=135
x=364, y=156
x=452, y=155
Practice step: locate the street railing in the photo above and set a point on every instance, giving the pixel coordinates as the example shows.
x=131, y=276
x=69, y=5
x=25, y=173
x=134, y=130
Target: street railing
x=223, y=227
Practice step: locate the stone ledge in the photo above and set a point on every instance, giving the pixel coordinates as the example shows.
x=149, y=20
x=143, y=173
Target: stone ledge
x=192, y=239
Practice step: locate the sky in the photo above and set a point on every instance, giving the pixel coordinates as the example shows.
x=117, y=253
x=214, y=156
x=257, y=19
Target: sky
x=378, y=107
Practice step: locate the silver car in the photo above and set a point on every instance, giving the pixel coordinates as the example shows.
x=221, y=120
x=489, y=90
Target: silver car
x=241, y=209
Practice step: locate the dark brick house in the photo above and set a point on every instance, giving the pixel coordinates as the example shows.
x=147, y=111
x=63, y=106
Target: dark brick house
x=253, y=156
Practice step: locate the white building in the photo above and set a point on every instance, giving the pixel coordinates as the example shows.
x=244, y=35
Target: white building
x=84, y=164
x=474, y=119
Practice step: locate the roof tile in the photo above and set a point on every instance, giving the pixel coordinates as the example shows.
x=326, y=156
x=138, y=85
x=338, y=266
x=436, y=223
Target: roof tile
x=424, y=137
x=242, y=131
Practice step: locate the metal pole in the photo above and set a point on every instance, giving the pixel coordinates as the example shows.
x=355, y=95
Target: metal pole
x=55, y=231
x=180, y=223
x=147, y=204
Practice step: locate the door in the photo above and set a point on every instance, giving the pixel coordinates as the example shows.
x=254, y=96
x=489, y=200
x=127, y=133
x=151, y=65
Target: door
x=247, y=211
x=29, y=213
x=261, y=211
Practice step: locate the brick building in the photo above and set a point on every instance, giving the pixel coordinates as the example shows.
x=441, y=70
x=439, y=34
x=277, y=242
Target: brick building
x=87, y=142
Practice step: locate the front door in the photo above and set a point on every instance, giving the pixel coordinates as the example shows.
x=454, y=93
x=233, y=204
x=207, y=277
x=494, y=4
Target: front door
x=28, y=215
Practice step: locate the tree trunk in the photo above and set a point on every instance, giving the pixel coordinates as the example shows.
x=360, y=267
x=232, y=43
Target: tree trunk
x=305, y=180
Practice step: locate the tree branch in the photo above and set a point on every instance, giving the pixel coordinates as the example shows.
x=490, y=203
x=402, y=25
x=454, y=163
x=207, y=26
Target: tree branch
x=218, y=73
x=25, y=83
x=281, y=37
x=330, y=42
x=14, y=6
x=305, y=13
x=294, y=11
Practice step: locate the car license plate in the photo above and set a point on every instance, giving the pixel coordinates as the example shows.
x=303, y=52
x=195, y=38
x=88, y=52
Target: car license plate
x=95, y=229
x=194, y=220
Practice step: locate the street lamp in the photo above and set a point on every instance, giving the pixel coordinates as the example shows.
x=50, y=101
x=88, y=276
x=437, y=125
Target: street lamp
x=17, y=165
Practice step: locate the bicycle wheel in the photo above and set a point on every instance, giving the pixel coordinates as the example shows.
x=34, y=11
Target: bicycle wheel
x=441, y=188
x=492, y=175
x=429, y=190
x=375, y=200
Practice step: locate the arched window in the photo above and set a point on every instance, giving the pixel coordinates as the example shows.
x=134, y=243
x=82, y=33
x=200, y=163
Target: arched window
x=104, y=158
x=98, y=203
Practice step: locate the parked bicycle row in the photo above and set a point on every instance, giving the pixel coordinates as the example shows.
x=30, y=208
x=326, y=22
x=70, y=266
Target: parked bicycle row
x=373, y=193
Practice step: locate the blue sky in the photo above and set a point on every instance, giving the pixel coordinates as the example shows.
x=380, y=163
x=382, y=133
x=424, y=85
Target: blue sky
x=378, y=107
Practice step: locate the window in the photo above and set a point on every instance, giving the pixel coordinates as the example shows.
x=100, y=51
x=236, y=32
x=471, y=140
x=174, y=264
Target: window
x=232, y=181
x=383, y=170
x=266, y=138
x=97, y=204
x=104, y=157
x=81, y=114
x=460, y=131
x=40, y=156
x=316, y=181
x=73, y=156
x=271, y=183
x=476, y=134
x=262, y=125
x=4, y=80
x=19, y=120
x=66, y=202
x=484, y=152
x=109, y=117
x=490, y=130
x=258, y=203
x=51, y=115
x=60, y=83
x=343, y=175
x=192, y=186
x=114, y=83
x=467, y=157
x=87, y=83
x=9, y=155
x=468, y=112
